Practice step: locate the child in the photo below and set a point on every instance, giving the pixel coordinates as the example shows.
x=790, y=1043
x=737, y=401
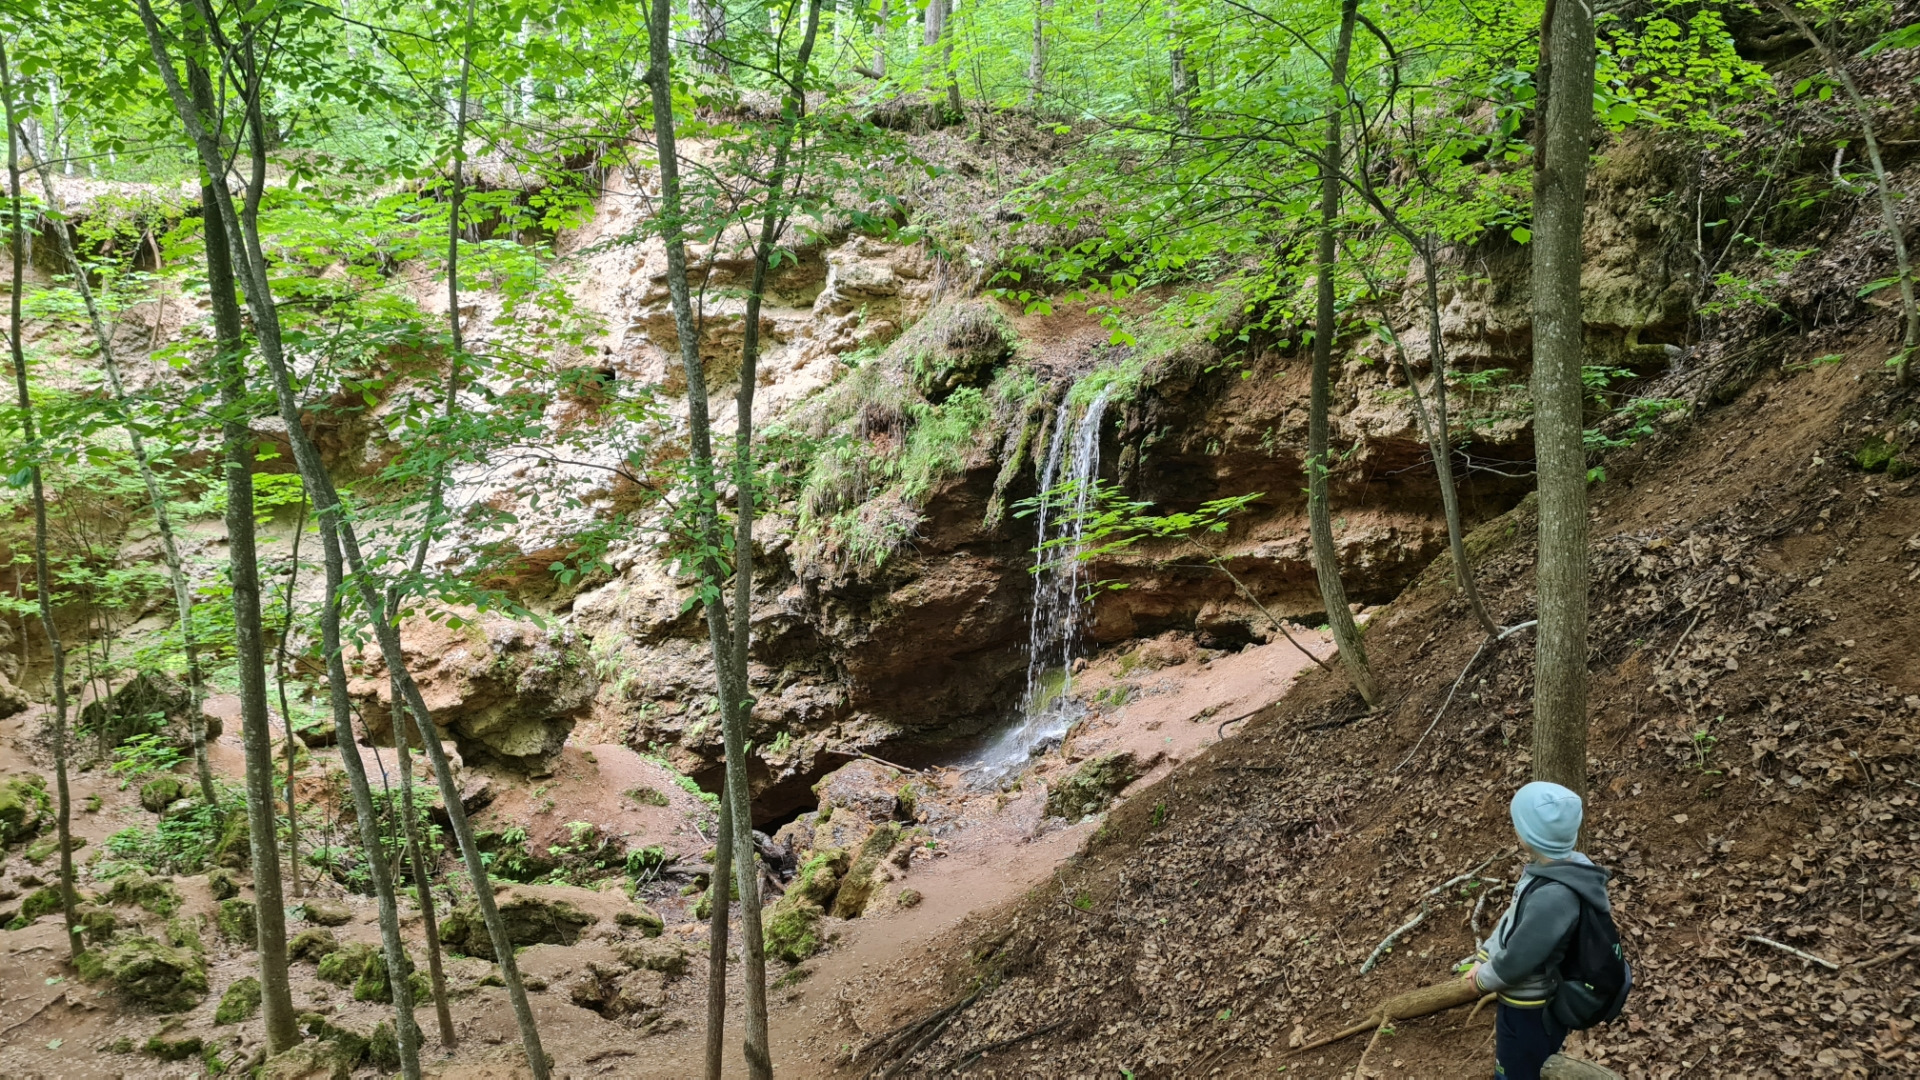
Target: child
x=1521, y=959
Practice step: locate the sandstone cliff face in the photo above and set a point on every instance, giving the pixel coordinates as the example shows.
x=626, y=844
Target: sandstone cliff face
x=929, y=648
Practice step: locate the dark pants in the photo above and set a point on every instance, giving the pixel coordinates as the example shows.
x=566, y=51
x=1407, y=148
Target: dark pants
x=1523, y=1040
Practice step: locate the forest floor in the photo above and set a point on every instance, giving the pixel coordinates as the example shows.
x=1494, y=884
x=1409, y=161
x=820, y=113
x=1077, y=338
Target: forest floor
x=1161, y=701
x=1755, y=711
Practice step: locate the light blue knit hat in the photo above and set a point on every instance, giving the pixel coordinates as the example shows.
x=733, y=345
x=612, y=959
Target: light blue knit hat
x=1547, y=817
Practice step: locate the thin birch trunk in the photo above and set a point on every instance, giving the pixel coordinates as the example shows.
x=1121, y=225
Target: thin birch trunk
x=286, y=713
x=719, y=915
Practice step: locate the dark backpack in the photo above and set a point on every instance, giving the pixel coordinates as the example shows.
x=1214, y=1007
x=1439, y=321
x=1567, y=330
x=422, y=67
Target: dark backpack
x=1594, y=974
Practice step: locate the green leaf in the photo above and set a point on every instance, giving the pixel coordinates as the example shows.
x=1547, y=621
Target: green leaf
x=1521, y=234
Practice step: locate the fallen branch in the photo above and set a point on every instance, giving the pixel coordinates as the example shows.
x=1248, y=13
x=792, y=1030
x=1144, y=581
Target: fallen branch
x=1408, y=1006
x=1883, y=958
x=1387, y=942
x=1473, y=922
x=882, y=761
x=1491, y=639
x=1675, y=651
x=1475, y=1011
x=1828, y=964
x=1221, y=731
x=1360, y=1067
x=1468, y=876
x=979, y=1052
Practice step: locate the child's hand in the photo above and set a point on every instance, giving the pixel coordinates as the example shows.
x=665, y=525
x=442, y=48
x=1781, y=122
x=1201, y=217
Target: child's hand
x=1472, y=976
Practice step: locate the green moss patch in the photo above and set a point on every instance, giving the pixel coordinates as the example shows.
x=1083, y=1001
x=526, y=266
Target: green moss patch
x=240, y=1002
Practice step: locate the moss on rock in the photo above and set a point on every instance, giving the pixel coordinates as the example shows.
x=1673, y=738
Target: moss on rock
x=98, y=922
x=238, y=920
x=222, y=883
x=175, y=1049
x=1093, y=786
x=168, y=978
x=157, y=895
x=327, y=912
x=857, y=889
x=240, y=1002
x=343, y=965
x=159, y=793
x=792, y=929
x=530, y=919
x=24, y=807
x=374, y=985
x=44, y=901
x=314, y=943
x=42, y=849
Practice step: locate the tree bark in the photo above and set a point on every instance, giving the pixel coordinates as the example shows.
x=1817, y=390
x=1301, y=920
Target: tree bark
x=718, y=918
x=1326, y=560
x=43, y=579
x=710, y=17
x=1037, y=65
x=286, y=712
x=156, y=497
x=1889, y=213
x=1559, y=211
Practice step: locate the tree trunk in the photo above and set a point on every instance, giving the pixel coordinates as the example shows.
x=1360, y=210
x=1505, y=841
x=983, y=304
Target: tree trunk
x=718, y=917
x=43, y=579
x=1440, y=441
x=1179, y=79
x=1559, y=210
x=1889, y=214
x=422, y=882
x=1326, y=560
x=880, y=45
x=710, y=20
x=156, y=498
x=1037, y=65
x=286, y=712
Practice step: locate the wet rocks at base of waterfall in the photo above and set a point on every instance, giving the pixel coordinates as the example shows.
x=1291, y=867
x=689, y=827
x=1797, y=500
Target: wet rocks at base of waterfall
x=1093, y=786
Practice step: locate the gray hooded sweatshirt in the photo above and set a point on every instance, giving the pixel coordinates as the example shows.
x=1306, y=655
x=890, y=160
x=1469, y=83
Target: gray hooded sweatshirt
x=1521, y=961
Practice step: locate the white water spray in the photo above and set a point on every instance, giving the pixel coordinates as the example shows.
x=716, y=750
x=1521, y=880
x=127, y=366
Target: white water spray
x=1059, y=582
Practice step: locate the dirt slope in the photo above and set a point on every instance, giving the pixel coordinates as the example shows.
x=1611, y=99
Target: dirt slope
x=1755, y=712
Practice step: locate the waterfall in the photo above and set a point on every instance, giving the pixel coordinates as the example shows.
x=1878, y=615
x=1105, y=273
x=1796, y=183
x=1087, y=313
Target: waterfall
x=1059, y=579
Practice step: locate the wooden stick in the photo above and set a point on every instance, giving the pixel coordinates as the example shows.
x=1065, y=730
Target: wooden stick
x=1477, y=1006
x=1828, y=964
x=1883, y=958
x=1360, y=1067
x=1387, y=942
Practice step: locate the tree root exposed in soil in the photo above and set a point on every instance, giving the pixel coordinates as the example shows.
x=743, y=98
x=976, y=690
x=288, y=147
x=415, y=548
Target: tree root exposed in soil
x=1408, y=1006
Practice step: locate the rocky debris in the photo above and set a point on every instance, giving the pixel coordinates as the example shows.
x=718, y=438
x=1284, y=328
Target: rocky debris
x=642, y=918
x=383, y=1048
x=505, y=691
x=866, y=789
x=475, y=792
x=236, y=918
x=160, y=792
x=669, y=958
x=618, y=993
x=240, y=1002
x=25, y=807
x=1093, y=786
x=135, y=888
x=44, y=848
x=314, y=943
x=533, y=916
x=323, y=912
x=169, y=978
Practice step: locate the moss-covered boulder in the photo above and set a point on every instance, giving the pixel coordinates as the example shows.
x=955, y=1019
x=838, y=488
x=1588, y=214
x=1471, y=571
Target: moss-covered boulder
x=240, y=1002
x=42, y=902
x=1093, y=786
x=160, y=792
x=149, y=703
x=532, y=917
x=222, y=884
x=326, y=912
x=343, y=965
x=792, y=929
x=25, y=807
x=383, y=1046
x=237, y=921
x=314, y=943
x=165, y=977
x=851, y=898
x=350, y=1046
x=157, y=895
x=374, y=985
x=669, y=958
x=820, y=876
x=97, y=922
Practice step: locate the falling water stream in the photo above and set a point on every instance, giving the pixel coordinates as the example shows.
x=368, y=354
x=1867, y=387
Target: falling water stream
x=1047, y=708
